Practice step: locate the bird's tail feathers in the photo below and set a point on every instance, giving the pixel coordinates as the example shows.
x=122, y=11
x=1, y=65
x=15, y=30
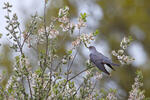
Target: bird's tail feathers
x=110, y=66
x=113, y=64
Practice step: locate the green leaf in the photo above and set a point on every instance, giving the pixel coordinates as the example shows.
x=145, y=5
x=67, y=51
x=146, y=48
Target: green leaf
x=130, y=38
x=7, y=17
x=113, y=90
x=83, y=16
x=70, y=52
x=96, y=33
x=38, y=71
x=17, y=58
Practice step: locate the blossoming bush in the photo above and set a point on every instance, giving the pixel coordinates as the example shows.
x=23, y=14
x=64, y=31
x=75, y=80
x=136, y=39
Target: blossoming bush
x=47, y=81
x=120, y=54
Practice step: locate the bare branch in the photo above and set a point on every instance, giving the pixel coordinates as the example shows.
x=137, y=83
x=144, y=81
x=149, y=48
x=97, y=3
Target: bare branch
x=77, y=90
x=79, y=73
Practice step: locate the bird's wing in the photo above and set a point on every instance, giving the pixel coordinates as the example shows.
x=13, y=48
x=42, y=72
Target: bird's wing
x=95, y=59
x=107, y=61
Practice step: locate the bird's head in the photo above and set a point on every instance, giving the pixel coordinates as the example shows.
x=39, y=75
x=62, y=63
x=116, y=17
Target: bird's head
x=92, y=48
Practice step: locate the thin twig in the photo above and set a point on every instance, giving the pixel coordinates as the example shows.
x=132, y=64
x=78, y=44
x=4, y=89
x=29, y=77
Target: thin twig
x=75, y=76
x=46, y=51
x=46, y=34
x=20, y=32
x=25, y=39
x=23, y=86
x=28, y=82
x=67, y=77
x=46, y=46
x=49, y=87
x=68, y=69
x=67, y=72
x=50, y=79
x=79, y=73
x=29, y=87
x=77, y=90
x=57, y=66
x=28, y=34
x=79, y=32
x=72, y=60
x=83, y=92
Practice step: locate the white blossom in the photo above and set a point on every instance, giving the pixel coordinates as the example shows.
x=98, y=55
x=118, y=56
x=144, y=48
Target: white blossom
x=81, y=23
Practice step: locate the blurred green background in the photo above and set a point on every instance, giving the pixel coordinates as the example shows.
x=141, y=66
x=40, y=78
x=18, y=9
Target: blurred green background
x=114, y=19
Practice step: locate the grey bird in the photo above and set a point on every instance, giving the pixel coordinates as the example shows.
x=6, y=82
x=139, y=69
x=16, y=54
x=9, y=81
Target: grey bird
x=99, y=60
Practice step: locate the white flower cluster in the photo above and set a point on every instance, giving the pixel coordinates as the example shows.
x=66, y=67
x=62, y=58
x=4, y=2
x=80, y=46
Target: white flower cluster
x=125, y=43
x=99, y=75
x=33, y=81
x=111, y=96
x=52, y=33
x=86, y=38
x=66, y=59
x=76, y=42
x=120, y=54
x=9, y=83
x=81, y=23
x=63, y=18
x=124, y=59
x=63, y=11
x=68, y=26
x=136, y=93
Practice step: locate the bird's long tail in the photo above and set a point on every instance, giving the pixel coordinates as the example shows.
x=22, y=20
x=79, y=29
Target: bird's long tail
x=113, y=64
x=110, y=66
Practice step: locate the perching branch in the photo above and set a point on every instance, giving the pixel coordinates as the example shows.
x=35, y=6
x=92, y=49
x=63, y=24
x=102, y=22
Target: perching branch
x=79, y=73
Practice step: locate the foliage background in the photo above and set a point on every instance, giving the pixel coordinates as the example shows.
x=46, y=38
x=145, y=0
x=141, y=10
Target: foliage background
x=117, y=18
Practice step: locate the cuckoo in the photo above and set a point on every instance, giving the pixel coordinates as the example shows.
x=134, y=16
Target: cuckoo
x=99, y=60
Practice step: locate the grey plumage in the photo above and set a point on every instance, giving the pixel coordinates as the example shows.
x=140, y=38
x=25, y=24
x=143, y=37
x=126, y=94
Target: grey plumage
x=99, y=60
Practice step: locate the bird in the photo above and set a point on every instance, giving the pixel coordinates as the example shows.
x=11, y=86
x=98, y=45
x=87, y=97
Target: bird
x=99, y=60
